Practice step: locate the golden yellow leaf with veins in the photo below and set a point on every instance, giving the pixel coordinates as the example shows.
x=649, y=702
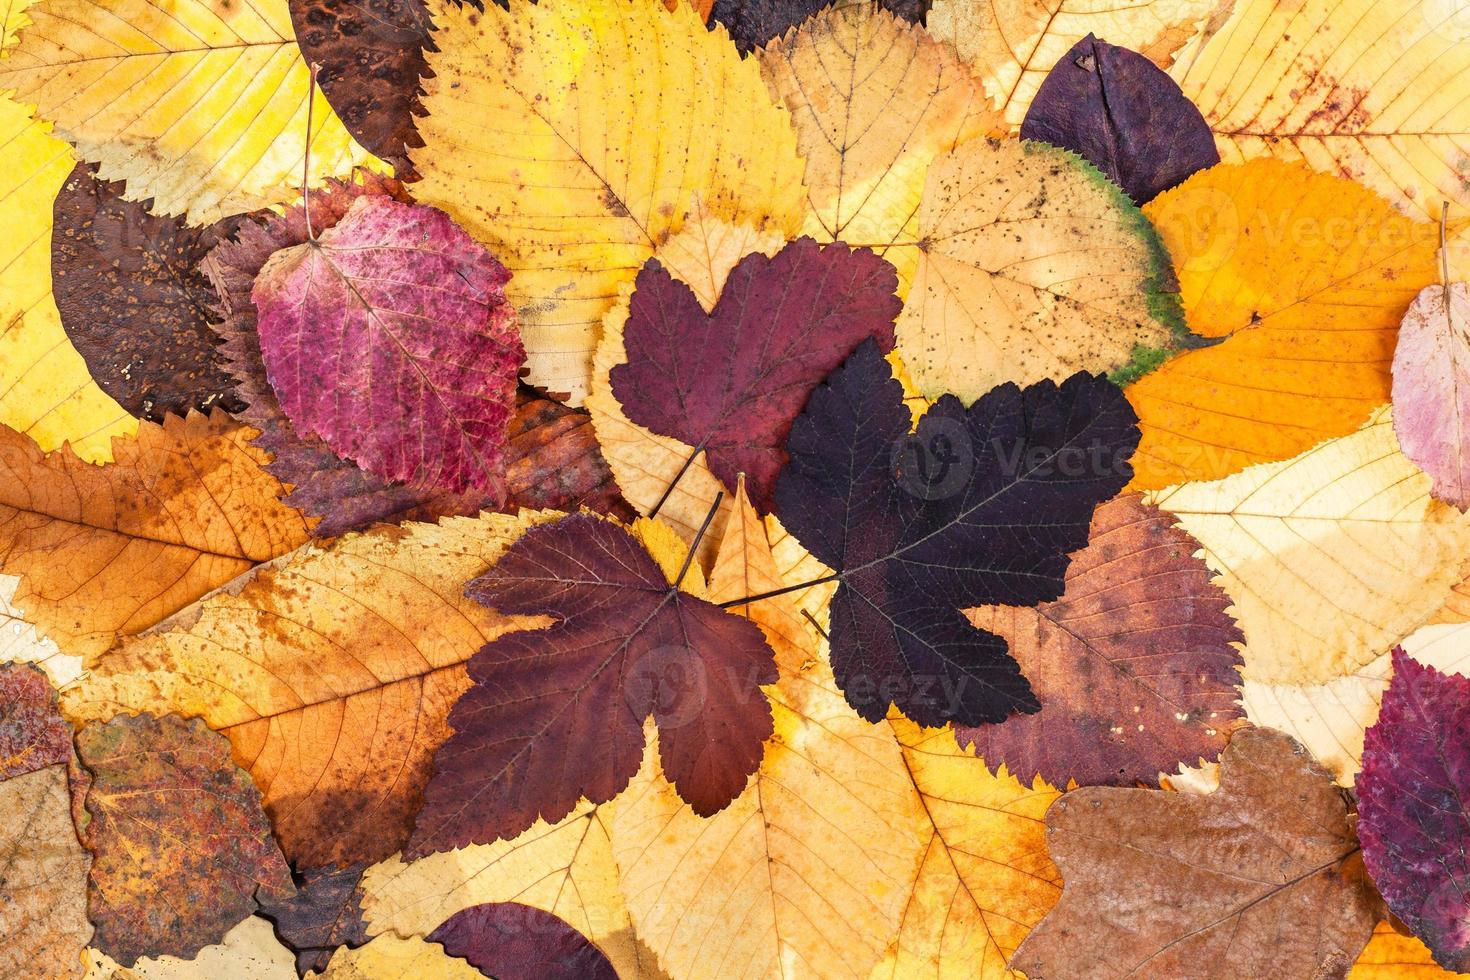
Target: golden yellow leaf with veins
x=1391, y=956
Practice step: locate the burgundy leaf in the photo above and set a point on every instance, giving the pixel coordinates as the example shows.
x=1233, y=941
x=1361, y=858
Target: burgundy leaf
x=557, y=714
x=32, y=732
x=510, y=941
x=391, y=339
x=1413, y=818
x=1125, y=115
x=755, y=23
x=731, y=382
x=324, y=914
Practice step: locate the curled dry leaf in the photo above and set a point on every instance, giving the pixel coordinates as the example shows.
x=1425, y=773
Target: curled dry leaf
x=722, y=144
x=1178, y=884
x=1121, y=113
x=181, y=848
x=1431, y=388
x=626, y=643
x=974, y=506
x=1134, y=664
x=1411, y=803
x=132, y=300
x=325, y=913
x=389, y=337
x=330, y=675
x=394, y=958
x=510, y=941
x=45, y=390
x=1303, y=278
x=1031, y=265
x=101, y=70
x=185, y=508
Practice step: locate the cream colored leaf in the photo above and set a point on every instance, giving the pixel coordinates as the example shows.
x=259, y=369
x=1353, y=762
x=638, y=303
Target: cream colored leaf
x=249, y=951
x=43, y=890
x=1013, y=44
x=21, y=642
x=875, y=101
x=199, y=106
x=45, y=389
x=393, y=958
x=331, y=675
x=1031, y=265
x=1330, y=557
x=576, y=137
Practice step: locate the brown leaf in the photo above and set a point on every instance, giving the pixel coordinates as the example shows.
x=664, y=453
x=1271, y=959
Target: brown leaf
x=325, y=913
x=181, y=845
x=32, y=734
x=43, y=895
x=1262, y=878
x=184, y=509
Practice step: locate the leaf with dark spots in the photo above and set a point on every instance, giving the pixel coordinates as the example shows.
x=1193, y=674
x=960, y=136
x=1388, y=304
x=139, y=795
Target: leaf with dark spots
x=729, y=383
x=181, y=847
x=1413, y=816
x=974, y=507
x=555, y=715
x=755, y=23
x=324, y=914
x=370, y=57
x=510, y=941
x=32, y=732
x=1133, y=665
x=1123, y=114
x=132, y=301
x=1261, y=878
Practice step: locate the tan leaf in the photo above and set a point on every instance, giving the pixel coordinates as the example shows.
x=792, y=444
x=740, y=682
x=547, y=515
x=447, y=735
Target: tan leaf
x=250, y=951
x=392, y=958
x=43, y=891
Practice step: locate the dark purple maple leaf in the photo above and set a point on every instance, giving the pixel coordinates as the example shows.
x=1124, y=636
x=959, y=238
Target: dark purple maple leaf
x=1412, y=806
x=1125, y=115
x=557, y=714
x=390, y=338
x=974, y=507
x=731, y=382
x=510, y=941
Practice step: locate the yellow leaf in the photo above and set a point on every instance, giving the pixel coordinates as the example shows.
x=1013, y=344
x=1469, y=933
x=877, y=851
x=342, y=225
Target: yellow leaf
x=1031, y=265
x=875, y=101
x=1331, y=557
x=45, y=388
x=394, y=958
x=1390, y=956
x=1306, y=278
x=805, y=872
x=576, y=137
x=1013, y=44
x=200, y=106
x=330, y=674
x=249, y=951
x=186, y=508
x=43, y=895
x=566, y=869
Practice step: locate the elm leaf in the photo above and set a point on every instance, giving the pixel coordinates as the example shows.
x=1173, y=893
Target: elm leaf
x=976, y=506
x=390, y=338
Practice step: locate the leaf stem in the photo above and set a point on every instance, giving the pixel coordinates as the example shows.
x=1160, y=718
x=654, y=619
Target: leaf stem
x=675, y=482
x=816, y=625
x=306, y=157
x=694, y=545
x=775, y=592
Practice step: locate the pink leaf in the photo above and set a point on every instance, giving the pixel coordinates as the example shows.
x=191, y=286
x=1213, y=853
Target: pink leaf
x=1431, y=389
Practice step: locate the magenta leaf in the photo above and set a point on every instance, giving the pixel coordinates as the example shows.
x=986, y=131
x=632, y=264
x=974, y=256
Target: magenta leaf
x=731, y=382
x=1412, y=797
x=391, y=339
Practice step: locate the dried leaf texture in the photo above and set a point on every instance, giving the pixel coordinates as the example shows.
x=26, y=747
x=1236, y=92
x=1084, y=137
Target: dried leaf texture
x=184, y=509
x=45, y=390
x=806, y=871
x=389, y=337
x=1134, y=664
x=1330, y=557
x=43, y=894
x=395, y=958
x=1349, y=87
x=1391, y=956
x=1431, y=388
x=1031, y=265
x=331, y=676
x=570, y=86
x=1177, y=884
x=1013, y=44
x=370, y=57
x=21, y=642
x=757, y=23
x=1411, y=802
x=627, y=643
x=133, y=302
x=107, y=72
x=512, y=941
x=1121, y=113
x=181, y=848
x=874, y=101
x=729, y=384
x=32, y=732
x=554, y=460
x=249, y=951
x=1305, y=278
x=325, y=913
